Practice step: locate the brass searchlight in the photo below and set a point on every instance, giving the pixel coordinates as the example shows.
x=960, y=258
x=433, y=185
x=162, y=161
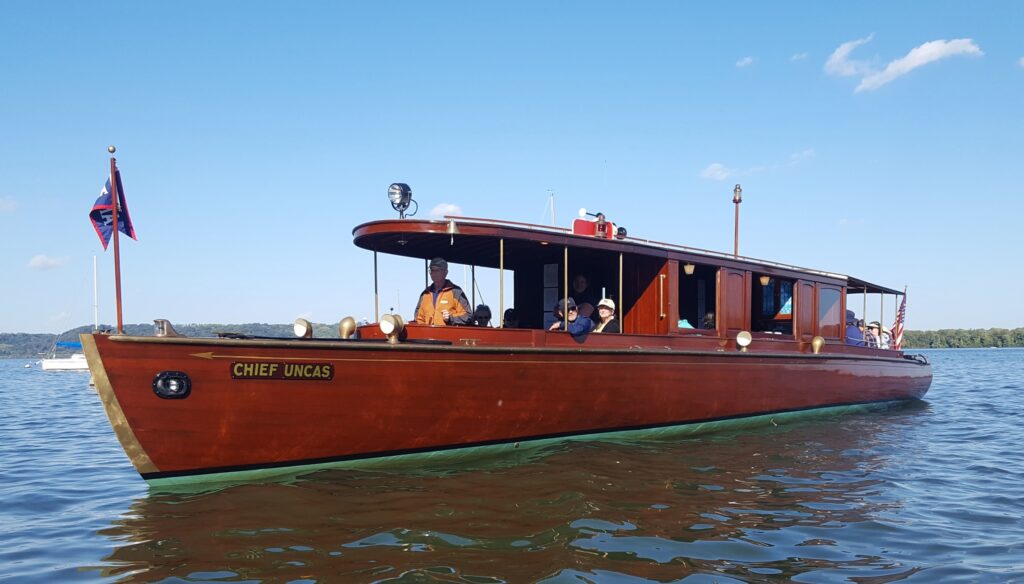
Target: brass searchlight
x=347, y=327
x=303, y=328
x=743, y=340
x=392, y=326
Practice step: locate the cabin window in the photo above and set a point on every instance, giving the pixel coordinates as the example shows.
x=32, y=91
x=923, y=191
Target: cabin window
x=772, y=306
x=697, y=294
x=829, y=321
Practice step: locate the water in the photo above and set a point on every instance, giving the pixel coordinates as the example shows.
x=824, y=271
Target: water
x=929, y=492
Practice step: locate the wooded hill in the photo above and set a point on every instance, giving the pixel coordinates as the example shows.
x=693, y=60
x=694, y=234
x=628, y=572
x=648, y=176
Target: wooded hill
x=34, y=346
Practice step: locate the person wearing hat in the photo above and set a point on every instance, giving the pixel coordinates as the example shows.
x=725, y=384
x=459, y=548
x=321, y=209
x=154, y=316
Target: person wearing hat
x=607, y=323
x=878, y=335
x=442, y=303
x=854, y=336
x=566, y=310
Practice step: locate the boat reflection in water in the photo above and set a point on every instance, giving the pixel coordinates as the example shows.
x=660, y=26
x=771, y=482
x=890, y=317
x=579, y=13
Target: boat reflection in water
x=775, y=502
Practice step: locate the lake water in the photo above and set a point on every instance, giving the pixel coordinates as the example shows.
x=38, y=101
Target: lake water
x=929, y=492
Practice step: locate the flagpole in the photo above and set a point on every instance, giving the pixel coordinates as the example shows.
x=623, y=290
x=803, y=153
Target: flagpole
x=115, y=200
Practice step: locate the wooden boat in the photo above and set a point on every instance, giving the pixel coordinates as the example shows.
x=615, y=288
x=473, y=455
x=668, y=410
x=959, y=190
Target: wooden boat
x=192, y=409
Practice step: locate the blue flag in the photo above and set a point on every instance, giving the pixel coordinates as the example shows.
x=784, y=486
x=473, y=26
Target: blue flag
x=102, y=214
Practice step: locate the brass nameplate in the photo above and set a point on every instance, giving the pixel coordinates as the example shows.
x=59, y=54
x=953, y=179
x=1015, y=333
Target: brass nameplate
x=278, y=370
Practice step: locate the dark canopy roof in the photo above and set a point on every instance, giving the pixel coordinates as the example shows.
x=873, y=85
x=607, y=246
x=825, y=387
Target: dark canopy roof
x=477, y=243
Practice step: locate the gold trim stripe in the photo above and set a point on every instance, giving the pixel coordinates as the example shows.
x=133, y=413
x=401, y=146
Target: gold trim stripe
x=122, y=429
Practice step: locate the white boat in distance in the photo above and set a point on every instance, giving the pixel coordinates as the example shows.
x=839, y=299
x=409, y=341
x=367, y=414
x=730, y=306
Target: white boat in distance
x=76, y=362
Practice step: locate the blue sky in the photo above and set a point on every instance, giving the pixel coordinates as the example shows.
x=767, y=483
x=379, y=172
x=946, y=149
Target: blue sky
x=881, y=140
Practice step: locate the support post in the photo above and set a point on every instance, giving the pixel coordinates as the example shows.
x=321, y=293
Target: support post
x=501, y=283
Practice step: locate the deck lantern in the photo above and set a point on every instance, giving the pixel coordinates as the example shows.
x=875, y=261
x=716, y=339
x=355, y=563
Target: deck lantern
x=765, y=279
x=743, y=340
x=400, y=196
x=302, y=328
x=688, y=268
x=347, y=327
x=392, y=326
x=816, y=344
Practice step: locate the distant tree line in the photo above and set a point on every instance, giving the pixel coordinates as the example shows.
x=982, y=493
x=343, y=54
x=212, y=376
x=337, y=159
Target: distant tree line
x=33, y=346
x=963, y=338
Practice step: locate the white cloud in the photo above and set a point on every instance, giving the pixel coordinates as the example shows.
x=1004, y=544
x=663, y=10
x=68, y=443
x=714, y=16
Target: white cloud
x=44, y=262
x=840, y=64
x=443, y=209
x=927, y=53
x=798, y=57
x=802, y=155
x=8, y=205
x=719, y=171
x=745, y=62
x=716, y=171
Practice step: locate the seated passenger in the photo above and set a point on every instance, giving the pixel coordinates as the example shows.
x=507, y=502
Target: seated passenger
x=709, y=321
x=607, y=323
x=442, y=303
x=584, y=297
x=870, y=338
x=878, y=335
x=886, y=338
x=482, y=316
x=853, y=335
x=511, y=319
x=566, y=310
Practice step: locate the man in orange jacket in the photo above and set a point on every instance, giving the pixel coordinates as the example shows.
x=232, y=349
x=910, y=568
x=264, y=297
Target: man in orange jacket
x=442, y=303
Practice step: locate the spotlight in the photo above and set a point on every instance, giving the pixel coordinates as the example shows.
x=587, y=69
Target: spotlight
x=392, y=326
x=303, y=329
x=400, y=196
x=743, y=340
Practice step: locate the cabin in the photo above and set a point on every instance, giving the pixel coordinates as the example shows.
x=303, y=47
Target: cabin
x=666, y=295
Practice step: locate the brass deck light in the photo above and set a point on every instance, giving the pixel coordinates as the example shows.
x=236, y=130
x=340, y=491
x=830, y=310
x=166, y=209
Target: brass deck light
x=347, y=327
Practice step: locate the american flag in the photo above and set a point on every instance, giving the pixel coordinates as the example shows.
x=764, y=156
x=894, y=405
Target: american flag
x=897, y=328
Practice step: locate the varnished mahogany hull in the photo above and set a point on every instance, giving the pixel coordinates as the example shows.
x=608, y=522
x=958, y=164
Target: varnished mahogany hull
x=386, y=399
